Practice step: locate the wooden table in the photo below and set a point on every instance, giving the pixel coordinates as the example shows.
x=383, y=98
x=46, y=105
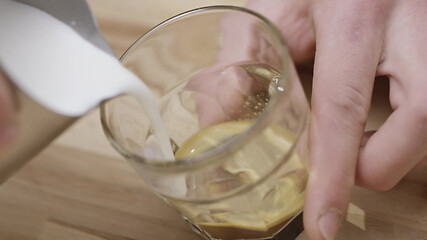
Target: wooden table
x=80, y=188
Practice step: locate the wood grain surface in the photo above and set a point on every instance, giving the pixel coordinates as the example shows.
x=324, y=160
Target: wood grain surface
x=80, y=188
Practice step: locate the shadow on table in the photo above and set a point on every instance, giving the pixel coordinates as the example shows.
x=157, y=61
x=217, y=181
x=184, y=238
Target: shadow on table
x=397, y=214
x=400, y=213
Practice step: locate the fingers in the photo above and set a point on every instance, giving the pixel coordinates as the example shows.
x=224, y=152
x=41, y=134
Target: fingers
x=401, y=143
x=293, y=19
x=222, y=91
x=8, y=128
x=399, y=146
x=348, y=50
x=395, y=149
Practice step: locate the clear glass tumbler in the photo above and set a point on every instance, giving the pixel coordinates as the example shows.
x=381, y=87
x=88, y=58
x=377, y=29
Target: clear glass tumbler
x=236, y=116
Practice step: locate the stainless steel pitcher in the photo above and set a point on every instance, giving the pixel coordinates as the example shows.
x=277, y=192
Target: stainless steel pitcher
x=38, y=126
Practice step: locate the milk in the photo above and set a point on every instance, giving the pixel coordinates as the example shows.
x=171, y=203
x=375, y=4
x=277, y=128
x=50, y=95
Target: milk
x=62, y=71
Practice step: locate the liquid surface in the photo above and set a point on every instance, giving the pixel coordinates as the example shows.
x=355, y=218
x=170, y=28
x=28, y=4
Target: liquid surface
x=260, y=212
x=65, y=73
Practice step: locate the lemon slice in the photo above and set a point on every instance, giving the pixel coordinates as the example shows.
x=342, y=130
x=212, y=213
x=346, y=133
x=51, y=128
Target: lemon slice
x=211, y=137
x=266, y=209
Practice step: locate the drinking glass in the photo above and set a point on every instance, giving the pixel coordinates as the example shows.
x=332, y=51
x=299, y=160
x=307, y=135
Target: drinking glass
x=236, y=116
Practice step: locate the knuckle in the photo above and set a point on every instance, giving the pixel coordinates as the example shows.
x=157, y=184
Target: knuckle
x=377, y=182
x=358, y=16
x=353, y=7
x=349, y=106
x=379, y=177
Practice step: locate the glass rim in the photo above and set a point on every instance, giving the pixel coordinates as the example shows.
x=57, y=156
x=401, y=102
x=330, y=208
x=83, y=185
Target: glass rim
x=211, y=155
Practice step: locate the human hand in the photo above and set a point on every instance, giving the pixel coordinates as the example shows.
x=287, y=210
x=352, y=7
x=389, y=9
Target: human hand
x=8, y=127
x=357, y=40
x=224, y=93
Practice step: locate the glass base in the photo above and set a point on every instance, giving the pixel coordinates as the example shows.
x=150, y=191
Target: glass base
x=289, y=232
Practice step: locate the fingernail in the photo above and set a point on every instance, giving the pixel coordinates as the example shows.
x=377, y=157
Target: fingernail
x=329, y=223
x=8, y=134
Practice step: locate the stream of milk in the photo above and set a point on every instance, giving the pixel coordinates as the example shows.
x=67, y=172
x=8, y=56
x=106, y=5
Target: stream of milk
x=65, y=73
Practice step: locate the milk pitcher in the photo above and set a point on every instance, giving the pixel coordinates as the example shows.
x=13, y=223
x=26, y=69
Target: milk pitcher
x=37, y=54
x=38, y=126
